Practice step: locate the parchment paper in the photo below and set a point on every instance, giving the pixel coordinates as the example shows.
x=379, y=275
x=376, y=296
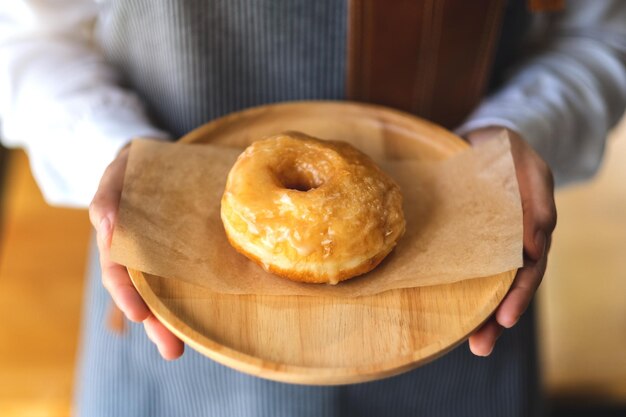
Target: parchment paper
x=464, y=220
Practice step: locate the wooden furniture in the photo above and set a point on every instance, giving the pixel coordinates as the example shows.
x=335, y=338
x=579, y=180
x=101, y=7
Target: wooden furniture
x=582, y=300
x=42, y=264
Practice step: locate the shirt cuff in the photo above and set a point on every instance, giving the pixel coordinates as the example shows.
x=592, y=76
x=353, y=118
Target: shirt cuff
x=530, y=124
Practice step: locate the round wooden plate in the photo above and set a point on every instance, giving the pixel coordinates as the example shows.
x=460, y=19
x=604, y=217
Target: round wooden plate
x=318, y=340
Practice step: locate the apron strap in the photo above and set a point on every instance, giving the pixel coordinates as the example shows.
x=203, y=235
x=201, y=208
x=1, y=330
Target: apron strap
x=546, y=5
x=432, y=58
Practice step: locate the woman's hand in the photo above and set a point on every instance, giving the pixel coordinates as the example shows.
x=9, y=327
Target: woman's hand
x=103, y=214
x=536, y=186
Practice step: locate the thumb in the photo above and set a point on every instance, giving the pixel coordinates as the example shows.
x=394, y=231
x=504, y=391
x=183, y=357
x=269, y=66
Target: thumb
x=536, y=187
x=105, y=203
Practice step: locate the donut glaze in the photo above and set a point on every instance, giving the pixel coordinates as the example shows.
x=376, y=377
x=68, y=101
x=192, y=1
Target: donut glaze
x=311, y=210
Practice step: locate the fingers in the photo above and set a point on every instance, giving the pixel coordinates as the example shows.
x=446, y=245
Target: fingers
x=539, y=214
x=115, y=278
x=102, y=213
x=536, y=187
x=482, y=342
x=117, y=282
x=521, y=293
x=170, y=347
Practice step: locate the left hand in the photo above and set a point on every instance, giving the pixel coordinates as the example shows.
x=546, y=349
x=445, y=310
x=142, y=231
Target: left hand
x=103, y=215
x=536, y=187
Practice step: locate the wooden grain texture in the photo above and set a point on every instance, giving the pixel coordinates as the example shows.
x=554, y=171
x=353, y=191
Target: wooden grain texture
x=315, y=340
x=583, y=296
x=42, y=264
x=583, y=335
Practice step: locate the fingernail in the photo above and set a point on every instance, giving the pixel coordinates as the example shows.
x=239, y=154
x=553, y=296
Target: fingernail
x=483, y=354
x=540, y=242
x=509, y=322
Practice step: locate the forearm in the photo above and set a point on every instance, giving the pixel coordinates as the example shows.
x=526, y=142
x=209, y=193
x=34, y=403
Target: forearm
x=565, y=99
x=60, y=100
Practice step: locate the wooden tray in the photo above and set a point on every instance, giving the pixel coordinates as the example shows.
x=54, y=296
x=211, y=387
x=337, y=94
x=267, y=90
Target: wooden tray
x=318, y=340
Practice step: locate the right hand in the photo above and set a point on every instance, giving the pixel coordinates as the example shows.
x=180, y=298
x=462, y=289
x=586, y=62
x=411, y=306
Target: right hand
x=103, y=214
x=536, y=187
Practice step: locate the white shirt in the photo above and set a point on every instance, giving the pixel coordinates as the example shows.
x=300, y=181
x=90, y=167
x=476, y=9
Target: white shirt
x=61, y=101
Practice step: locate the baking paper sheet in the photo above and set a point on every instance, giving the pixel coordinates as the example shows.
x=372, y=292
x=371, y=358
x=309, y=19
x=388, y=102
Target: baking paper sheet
x=464, y=221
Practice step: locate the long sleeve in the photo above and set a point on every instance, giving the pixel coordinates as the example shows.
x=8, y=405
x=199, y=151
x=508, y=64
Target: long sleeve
x=59, y=100
x=564, y=98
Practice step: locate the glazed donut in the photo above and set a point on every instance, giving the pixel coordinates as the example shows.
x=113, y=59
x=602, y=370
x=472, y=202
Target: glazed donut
x=311, y=210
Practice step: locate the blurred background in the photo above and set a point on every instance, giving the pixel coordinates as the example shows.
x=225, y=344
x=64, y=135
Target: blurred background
x=582, y=302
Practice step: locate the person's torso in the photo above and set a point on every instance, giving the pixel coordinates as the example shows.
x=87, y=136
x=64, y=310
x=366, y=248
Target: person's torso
x=194, y=60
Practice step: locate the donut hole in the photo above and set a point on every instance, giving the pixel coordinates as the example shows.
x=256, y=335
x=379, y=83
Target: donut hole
x=298, y=181
x=299, y=177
